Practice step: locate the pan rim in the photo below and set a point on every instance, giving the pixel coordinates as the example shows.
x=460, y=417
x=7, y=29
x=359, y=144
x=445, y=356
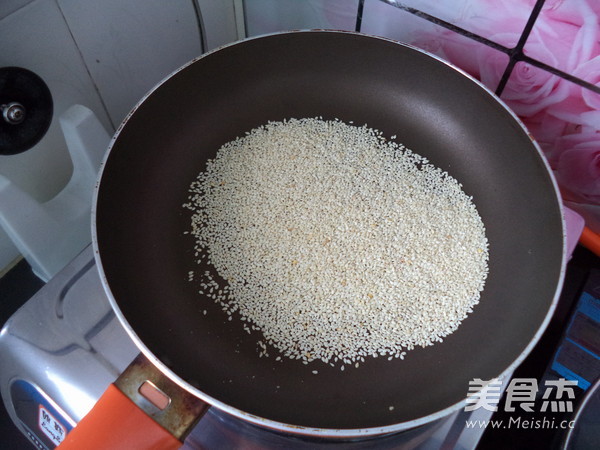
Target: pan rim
x=290, y=428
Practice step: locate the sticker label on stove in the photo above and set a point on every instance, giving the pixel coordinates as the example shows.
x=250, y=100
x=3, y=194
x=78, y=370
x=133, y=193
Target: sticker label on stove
x=38, y=416
x=51, y=427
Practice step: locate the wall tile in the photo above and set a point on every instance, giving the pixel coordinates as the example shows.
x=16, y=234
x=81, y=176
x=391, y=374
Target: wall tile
x=130, y=46
x=566, y=36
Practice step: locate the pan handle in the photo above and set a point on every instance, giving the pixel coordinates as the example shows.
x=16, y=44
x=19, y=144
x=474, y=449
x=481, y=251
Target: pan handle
x=143, y=409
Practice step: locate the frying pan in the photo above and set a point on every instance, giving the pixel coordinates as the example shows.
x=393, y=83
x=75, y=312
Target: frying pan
x=436, y=110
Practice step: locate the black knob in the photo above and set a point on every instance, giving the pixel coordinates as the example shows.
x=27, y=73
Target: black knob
x=26, y=110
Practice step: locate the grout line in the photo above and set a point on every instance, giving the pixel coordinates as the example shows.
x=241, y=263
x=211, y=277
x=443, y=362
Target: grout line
x=359, y=14
x=516, y=52
x=561, y=74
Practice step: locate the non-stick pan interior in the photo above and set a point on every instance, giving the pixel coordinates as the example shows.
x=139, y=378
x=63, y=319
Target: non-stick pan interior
x=433, y=109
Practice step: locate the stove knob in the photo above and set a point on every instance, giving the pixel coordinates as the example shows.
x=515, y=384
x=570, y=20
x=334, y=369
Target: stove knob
x=26, y=106
x=13, y=113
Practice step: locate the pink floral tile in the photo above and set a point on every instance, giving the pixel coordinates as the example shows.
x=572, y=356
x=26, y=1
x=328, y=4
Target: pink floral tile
x=566, y=36
x=564, y=118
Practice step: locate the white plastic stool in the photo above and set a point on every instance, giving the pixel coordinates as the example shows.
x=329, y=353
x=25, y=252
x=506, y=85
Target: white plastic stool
x=51, y=234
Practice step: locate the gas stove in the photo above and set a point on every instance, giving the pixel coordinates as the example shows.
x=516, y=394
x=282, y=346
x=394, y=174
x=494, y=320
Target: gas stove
x=62, y=349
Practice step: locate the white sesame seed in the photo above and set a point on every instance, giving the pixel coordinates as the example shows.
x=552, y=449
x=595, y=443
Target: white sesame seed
x=335, y=243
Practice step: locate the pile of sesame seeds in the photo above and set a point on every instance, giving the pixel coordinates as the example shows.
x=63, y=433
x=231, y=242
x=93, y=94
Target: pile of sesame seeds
x=336, y=243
